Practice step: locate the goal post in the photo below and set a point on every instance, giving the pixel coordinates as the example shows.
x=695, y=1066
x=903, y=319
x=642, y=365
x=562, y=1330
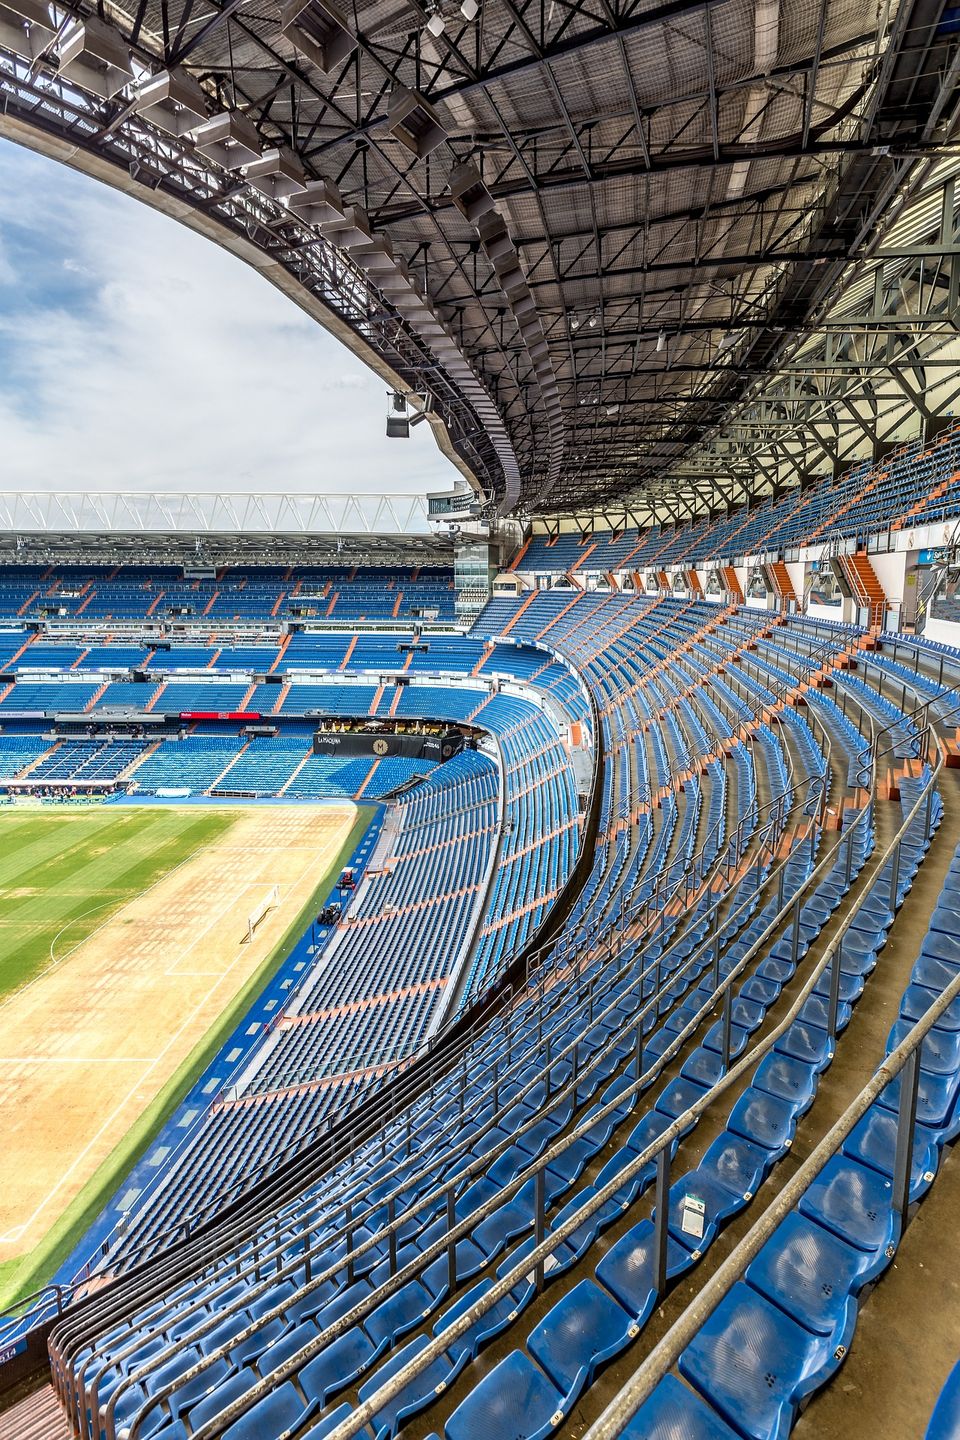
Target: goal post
x=270, y=901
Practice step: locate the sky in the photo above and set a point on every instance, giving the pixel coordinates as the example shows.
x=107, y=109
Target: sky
x=138, y=356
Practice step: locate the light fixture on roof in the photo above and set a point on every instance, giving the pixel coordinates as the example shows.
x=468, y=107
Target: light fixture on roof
x=661, y=341
x=574, y=322
x=414, y=122
x=319, y=30
x=398, y=422
x=470, y=9
x=228, y=139
x=613, y=409
x=436, y=24
x=173, y=101
x=93, y=55
x=26, y=27
x=592, y=322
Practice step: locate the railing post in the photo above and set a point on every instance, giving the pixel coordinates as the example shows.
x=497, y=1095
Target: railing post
x=391, y=1217
x=726, y=1021
x=895, y=876
x=539, y=1219
x=833, y=1003
x=795, y=936
x=661, y=1222
x=906, y=1122
x=348, y=1239
x=451, y=1244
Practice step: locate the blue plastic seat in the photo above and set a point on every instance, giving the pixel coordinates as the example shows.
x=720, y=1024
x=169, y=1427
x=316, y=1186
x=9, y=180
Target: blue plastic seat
x=580, y=1239
x=945, y=1420
x=856, y=1203
x=677, y=1097
x=873, y=1141
x=764, y=1120
x=339, y=1364
x=277, y=1412
x=703, y=1066
x=630, y=1189
x=503, y=1225
x=400, y=1313
x=515, y=1401
x=937, y=1105
x=675, y=1413
x=813, y=1275
x=918, y=998
x=754, y=1364
x=627, y=1269
x=496, y=1319
x=329, y=1423
x=787, y=1079
x=940, y=1051
x=807, y=1043
x=583, y=1330
x=736, y=1164
x=719, y=1203
x=235, y=1386
x=941, y=946
x=431, y=1381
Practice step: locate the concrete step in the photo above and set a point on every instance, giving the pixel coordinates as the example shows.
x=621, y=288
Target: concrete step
x=38, y=1417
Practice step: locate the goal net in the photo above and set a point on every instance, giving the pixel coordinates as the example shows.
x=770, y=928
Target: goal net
x=269, y=902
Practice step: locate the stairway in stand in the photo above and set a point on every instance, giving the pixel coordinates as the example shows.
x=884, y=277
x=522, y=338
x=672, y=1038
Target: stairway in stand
x=38, y=1417
x=782, y=583
x=866, y=587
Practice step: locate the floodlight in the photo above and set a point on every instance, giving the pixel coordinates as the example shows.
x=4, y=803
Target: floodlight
x=398, y=423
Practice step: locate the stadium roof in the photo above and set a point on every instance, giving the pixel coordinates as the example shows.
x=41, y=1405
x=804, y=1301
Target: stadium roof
x=220, y=528
x=583, y=233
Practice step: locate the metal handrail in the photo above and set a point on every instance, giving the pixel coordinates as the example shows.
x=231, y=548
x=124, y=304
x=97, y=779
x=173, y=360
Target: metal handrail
x=464, y=1175
x=826, y=648
x=767, y=703
x=536, y=1169
x=904, y=1057
x=659, y=1148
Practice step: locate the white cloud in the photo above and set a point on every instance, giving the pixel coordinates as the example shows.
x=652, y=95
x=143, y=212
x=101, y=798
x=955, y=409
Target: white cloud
x=137, y=355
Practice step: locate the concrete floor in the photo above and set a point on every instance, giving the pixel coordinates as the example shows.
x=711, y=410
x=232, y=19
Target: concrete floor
x=908, y=1332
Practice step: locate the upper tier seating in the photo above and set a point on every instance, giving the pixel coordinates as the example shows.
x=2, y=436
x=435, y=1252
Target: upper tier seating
x=918, y=484
x=50, y=696
x=238, y=593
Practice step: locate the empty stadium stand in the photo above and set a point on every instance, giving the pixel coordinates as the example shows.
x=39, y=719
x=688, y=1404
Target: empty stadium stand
x=474, y=1158
x=915, y=485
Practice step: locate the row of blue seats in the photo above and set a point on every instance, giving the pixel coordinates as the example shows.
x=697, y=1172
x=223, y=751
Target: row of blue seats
x=799, y=1299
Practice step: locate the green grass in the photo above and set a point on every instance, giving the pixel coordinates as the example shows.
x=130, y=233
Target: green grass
x=26, y=1274
x=63, y=872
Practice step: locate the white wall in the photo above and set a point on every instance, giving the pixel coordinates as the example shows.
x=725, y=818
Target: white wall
x=946, y=631
x=891, y=571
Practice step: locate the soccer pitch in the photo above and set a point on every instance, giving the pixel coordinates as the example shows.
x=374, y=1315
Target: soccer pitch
x=64, y=871
x=125, y=962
